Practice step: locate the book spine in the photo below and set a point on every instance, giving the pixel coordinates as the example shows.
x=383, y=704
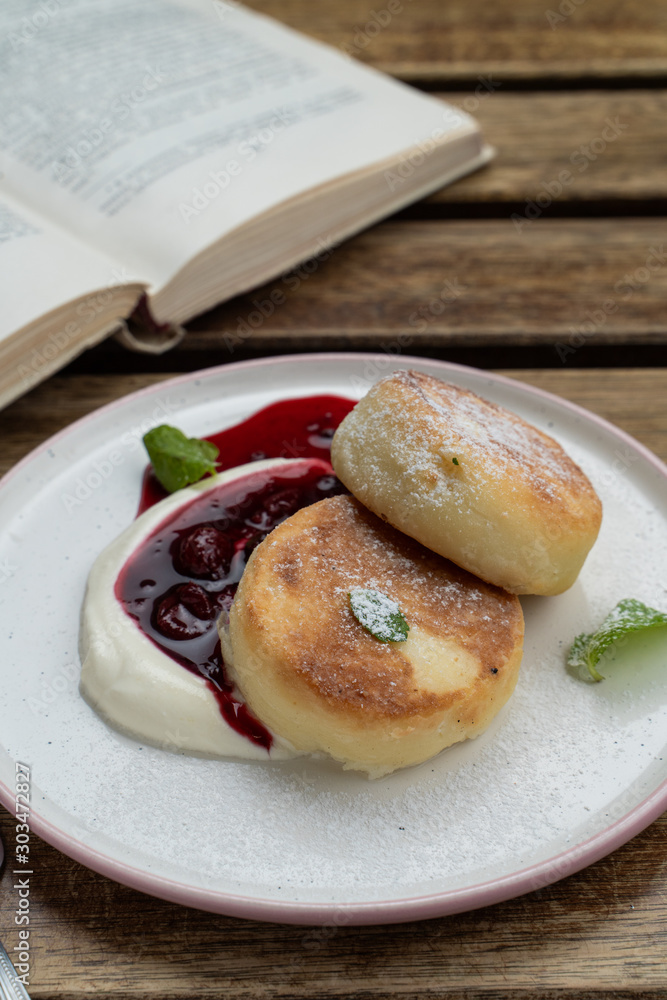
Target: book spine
x=141, y=332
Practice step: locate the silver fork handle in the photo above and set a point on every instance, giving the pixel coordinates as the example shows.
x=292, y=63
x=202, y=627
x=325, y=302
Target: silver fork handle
x=11, y=987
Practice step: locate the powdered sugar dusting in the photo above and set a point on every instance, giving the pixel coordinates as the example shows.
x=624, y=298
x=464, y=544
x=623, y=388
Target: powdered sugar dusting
x=469, y=428
x=471, y=480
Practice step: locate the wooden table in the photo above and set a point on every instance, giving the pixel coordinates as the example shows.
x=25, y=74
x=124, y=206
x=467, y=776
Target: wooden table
x=537, y=263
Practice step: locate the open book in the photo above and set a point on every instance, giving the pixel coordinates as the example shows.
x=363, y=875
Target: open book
x=170, y=154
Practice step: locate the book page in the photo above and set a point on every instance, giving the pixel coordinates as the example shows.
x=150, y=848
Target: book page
x=152, y=129
x=44, y=268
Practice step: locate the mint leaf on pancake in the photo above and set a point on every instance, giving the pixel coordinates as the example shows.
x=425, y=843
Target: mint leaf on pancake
x=379, y=615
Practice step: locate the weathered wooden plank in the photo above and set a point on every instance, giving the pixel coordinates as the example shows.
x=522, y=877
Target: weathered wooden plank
x=585, y=146
x=429, y=285
x=466, y=39
x=618, y=395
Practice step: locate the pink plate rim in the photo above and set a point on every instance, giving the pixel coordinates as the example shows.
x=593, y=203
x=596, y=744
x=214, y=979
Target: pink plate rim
x=438, y=904
x=404, y=909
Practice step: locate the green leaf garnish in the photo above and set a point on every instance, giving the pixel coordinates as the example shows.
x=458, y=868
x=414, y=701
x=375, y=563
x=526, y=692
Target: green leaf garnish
x=455, y=460
x=178, y=460
x=379, y=615
x=627, y=617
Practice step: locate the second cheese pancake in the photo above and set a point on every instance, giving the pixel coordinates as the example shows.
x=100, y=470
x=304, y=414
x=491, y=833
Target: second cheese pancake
x=311, y=672
x=471, y=480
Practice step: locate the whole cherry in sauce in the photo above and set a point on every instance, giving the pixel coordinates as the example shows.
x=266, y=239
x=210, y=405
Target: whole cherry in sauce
x=184, y=612
x=204, y=551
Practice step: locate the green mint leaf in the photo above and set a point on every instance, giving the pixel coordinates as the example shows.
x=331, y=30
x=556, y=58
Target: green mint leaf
x=178, y=460
x=627, y=617
x=379, y=615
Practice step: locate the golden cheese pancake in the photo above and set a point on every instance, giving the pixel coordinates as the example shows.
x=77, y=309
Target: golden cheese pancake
x=316, y=677
x=470, y=480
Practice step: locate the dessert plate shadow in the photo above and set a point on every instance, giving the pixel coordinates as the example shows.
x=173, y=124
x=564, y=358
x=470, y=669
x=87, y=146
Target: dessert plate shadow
x=567, y=772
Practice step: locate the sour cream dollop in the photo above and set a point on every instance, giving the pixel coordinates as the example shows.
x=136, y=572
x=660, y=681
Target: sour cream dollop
x=129, y=681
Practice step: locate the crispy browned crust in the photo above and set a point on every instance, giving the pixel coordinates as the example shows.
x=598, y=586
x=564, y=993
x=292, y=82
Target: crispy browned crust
x=293, y=603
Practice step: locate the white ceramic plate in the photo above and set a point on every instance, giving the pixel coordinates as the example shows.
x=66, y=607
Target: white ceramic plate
x=567, y=772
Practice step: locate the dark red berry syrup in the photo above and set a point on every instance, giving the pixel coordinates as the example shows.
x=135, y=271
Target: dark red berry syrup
x=186, y=572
